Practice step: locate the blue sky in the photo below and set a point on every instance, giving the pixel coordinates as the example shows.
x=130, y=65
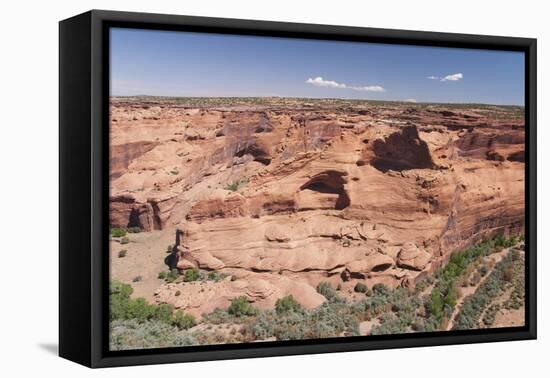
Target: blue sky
x=165, y=63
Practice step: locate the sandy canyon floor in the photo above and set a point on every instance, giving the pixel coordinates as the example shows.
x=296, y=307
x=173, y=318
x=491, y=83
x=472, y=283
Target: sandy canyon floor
x=264, y=219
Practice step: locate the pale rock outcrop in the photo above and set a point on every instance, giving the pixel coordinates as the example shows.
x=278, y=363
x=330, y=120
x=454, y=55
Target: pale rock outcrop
x=412, y=257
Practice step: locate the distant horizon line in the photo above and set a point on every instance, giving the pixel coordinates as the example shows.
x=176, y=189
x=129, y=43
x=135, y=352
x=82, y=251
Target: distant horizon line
x=325, y=98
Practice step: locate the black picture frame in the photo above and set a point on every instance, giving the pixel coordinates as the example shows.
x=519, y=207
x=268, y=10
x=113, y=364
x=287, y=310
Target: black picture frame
x=83, y=181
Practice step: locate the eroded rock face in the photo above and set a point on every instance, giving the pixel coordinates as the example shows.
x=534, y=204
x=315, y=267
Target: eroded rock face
x=286, y=195
x=412, y=257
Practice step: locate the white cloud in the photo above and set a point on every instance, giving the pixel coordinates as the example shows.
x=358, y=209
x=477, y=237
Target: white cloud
x=320, y=82
x=410, y=100
x=453, y=77
x=368, y=88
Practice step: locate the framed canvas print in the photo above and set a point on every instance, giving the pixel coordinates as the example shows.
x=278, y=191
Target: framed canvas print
x=233, y=188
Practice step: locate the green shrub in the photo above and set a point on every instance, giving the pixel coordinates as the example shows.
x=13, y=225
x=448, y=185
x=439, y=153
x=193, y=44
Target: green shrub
x=183, y=321
x=172, y=275
x=118, y=232
x=191, y=275
x=381, y=289
x=124, y=240
x=287, y=304
x=119, y=296
x=122, y=253
x=236, y=185
x=134, y=230
x=360, y=288
x=435, y=304
x=163, y=312
x=326, y=290
x=124, y=307
x=213, y=276
x=169, y=276
x=240, y=307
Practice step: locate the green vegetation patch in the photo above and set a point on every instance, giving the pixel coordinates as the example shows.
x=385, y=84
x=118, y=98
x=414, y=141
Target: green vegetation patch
x=241, y=307
x=118, y=232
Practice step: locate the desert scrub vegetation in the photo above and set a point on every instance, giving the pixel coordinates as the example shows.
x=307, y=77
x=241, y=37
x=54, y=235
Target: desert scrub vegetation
x=122, y=253
x=191, y=275
x=331, y=319
x=439, y=305
x=286, y=305
x=182, y=320
x=124, y=240
x=442, y=299
x=360, y=288
x=118, y=232
x=169, y=276
x=327, y=291
x=123, y=307
x=517, y=296
x=215, y=276
x=396, y=309
x=131, y=334
x=494, y=285
x=240, y=307
x=236, y=185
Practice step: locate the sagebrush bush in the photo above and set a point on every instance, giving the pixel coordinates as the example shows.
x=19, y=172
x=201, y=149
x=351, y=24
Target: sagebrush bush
x=327, y=291
x=133, y=230
x=131, y=334
x=182, y=320
x=122, y=253
x=124, y=240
